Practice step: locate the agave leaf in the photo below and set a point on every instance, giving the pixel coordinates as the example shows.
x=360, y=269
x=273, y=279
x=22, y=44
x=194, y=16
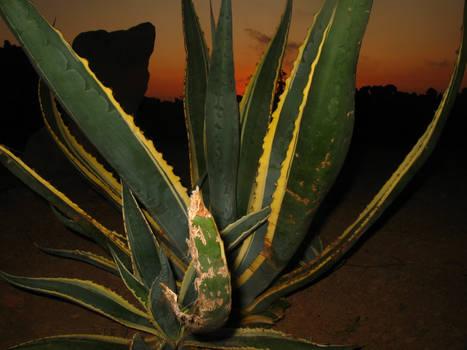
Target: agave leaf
x=101, y=179
x=85, y=230
x=256, y=107
x=196, y=77
x=94, y=109
x=162, y=315
x=256, y=338
x=187, y=294
x=222, y=123
x=235, y=233
x=76, y=342
x=413, y=161
x=270, y=316
x=135, y=286
x=87, y=257
x=314, y=249
x=323, y=125
x=280, y=132
x=150, y=343
x=70, y=213
x=89, y=295
x=138, y=343
x=209, y=260
x=143, y=245
x=212, y=285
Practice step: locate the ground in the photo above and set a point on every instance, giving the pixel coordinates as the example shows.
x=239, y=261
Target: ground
x=403, y=287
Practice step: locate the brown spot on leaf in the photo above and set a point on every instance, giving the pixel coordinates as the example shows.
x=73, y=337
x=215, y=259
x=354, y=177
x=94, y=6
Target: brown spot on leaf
x=305, y=201
x=326, y=162
x=291, y=219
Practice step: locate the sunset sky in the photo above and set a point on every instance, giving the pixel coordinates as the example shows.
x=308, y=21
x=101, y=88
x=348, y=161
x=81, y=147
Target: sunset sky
x=409, y=43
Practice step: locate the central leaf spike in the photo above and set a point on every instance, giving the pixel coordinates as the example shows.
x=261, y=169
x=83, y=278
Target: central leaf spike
x=212, y=284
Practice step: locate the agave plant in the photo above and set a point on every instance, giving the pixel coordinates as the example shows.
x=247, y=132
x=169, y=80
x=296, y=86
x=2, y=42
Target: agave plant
x=209, y=265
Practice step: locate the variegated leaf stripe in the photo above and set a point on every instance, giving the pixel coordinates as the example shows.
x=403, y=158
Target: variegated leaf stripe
x=136, y=287
x=85, y=162
x=92, y=227
x=176, y=257
x=255, y=109
x=154, y=343
x=319, y=144
x=270, y=316
x=222, y=123
x=386, y=195
x=138, y=343
x=214, y=295
x=187, y=293
x=84, y=256
x=280, y=138
x=143, y=245
x=76, y=342
x=257, y=338
x=89, y=295
x=163, y=317
x=94, y=109
x=196, y=77
x=237, y=232
x=314, y=249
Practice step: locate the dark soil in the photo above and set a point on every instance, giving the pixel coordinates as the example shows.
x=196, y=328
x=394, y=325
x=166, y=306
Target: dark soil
x=403, y=287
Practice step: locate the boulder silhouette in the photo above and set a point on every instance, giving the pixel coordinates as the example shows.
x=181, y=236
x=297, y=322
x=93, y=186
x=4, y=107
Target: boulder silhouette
x=120, y=60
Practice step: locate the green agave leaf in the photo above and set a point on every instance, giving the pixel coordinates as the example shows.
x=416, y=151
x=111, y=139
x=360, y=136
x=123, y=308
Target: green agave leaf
x=268, y=317
x=212, y=306
x=89, y=295
x=279, y=134
x=70, y=213
x=162, y=315
x=138, y=343
x=255, y=109
x=256, y=338
x=314, y=249
x=139, y=291
x=84, y=256
x=237, y=232
x=323, y=125
x=99, y=116
x=188, y=294
x=196, y=78
x=86, y=163
x=86, y=230
x=214, y=293
x=222, y=123
x=386, y=195
x=76, y=342
x=143, y=245
x=150, y=343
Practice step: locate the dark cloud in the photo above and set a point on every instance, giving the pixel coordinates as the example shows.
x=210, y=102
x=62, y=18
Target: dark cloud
x=258, y=36
x=263, y=40
x=439, y=64
x=293, y=46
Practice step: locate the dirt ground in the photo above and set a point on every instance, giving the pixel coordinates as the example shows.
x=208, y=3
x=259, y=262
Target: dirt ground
x=404, y=287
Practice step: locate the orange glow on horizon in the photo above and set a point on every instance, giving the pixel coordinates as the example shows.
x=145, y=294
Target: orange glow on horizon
x=410, y=44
